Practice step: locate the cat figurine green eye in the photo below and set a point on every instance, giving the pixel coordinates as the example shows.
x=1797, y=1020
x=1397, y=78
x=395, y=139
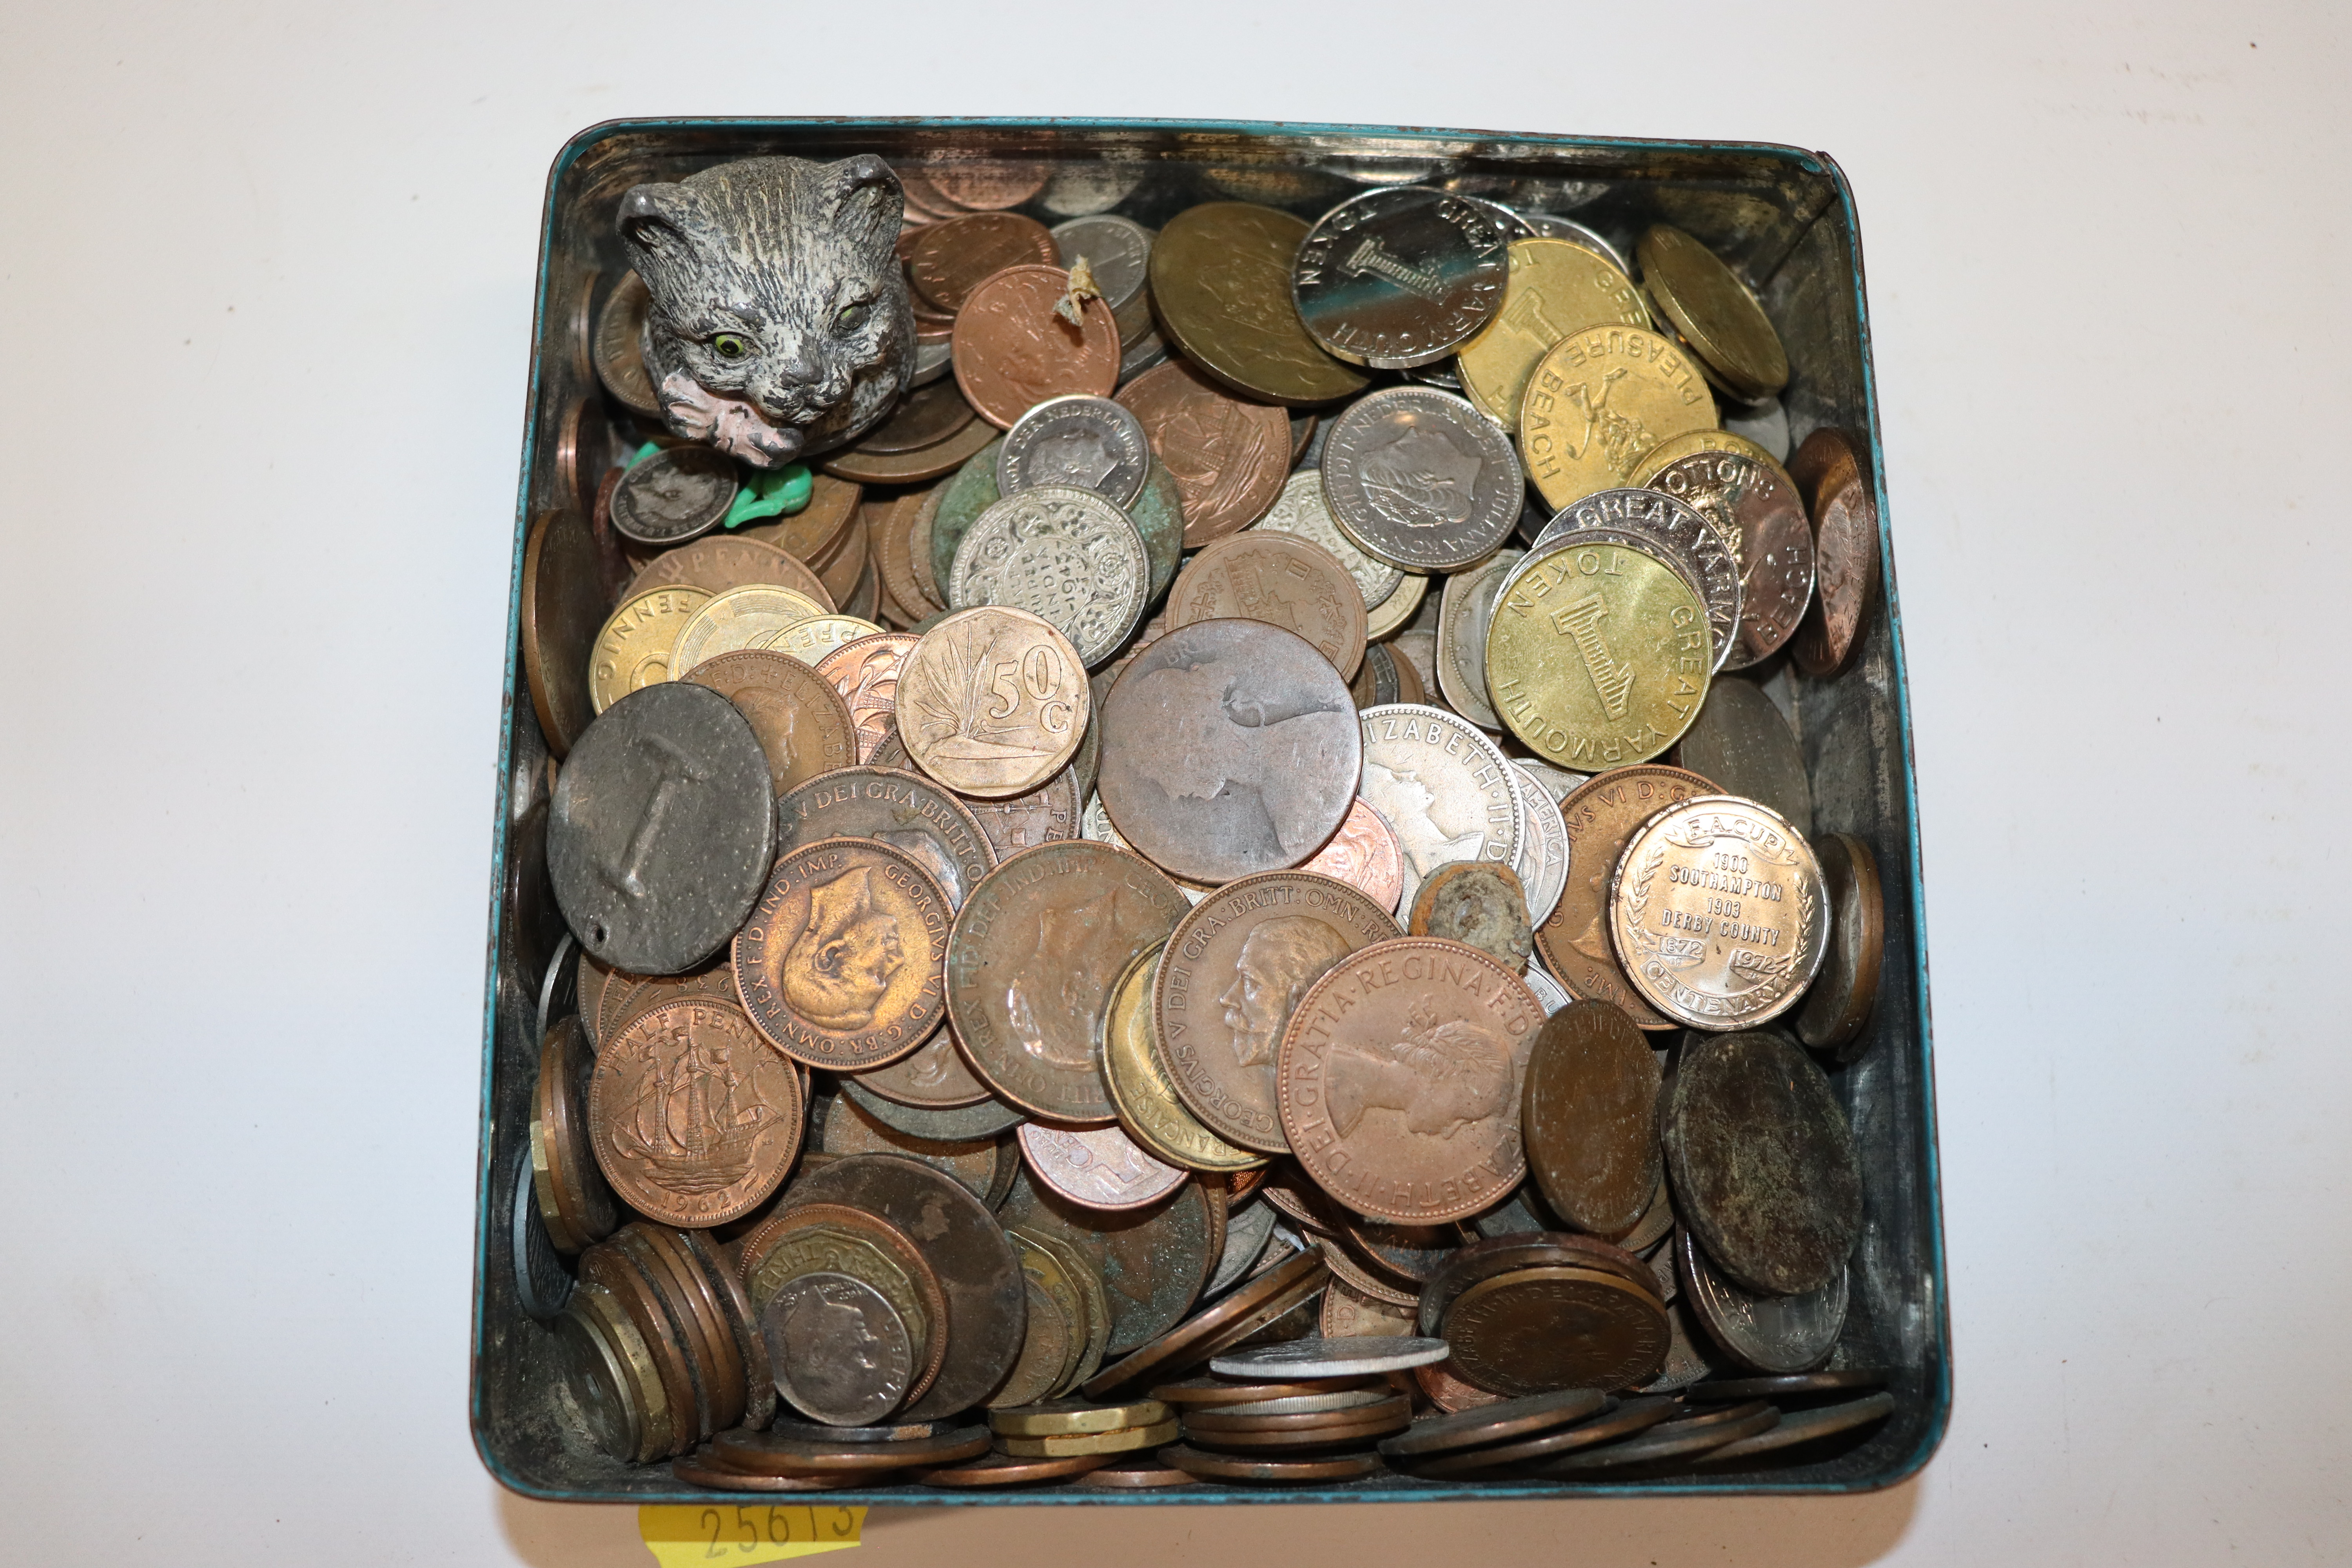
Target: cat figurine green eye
x=779, y=325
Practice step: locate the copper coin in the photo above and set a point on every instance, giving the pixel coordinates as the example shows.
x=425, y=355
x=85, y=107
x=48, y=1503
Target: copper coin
x=1281, y=580
x=906, y=811
x=1404, y=1256
x=865, y=670
x=1047, y=1250
x=1050, y=1336
x=840, y=962
x=563, y=608
x=851, y=1129
x=1600, y=814
x=1323, y=1469
x=1627, y=1419
x=1686, y=1347
x=1538, y=1328
x=802, y=724
x=1444, y=1386
x=992, y=702
x=1140, y=1472
x=719, y=562
x=1364, y=854
x=759, y=1377
x=960, y=1239
x=1007, y=1471
x=1221, y=287
x=1669, y=1440
x=1789, y=1385
x=1546, y=1249
x=1762, y=1162
x=1800, y=1427
x=923, y=418
x=895, y=551
x=921, y=531
x=667, y=1361
x=1399, y=1078
x=631, y=994
x=1754, y=504
x=1097, y=1167
x=1348, y=1313
x=1231, y=748
x=919, y=465
x=1235, y=969
x=968, y=177
x=1394, y=1407
x=1346, y=1269
x=1013, y=350
x=1223, y=1393
x=1839, y=1004
x=1479, y=904
x=619, y=347
x=718, y=1405
x=1193, y=1341
x=694, y=1121
x=572, y=1194
x=816, y=531
x=1152, y=1261
x=1228, y=455
x=1741, y=741
x=703, y=1469
x=949, y=262
x=1510, y=1420
x=1589, y=1118
x=934, y=1076
x=1845, y=511
x=1030, y=963
x=764, y=1453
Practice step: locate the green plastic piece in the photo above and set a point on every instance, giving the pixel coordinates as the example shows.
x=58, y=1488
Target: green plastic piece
x=776, y=492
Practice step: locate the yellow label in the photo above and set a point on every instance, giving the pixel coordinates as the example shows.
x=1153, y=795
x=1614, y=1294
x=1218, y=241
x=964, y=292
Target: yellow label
x=731, y=1533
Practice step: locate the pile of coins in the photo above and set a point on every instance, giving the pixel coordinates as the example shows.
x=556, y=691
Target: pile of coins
x=1228, y=898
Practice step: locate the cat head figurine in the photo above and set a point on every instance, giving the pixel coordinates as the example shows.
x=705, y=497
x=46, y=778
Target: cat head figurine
x=779, y=325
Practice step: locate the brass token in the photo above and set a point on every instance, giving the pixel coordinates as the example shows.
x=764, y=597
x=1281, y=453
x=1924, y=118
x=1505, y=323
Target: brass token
x=693, y=1122
x=1221, y=287
x=1064, y=1446
x=1597, y=655
x=1555, y=287
x=635, y=648
x=1839, y=1004
x=1533, y=1330
x=1077, y=1418
x=1281, y=579
x=801, y=722
x=865, y=670
x=748, y=617
x=992, y=701
x=839, y=964
x=1716, y=912
x=1600, y=814
x=1140, y=1089
x=1589, y=1118
x=1714, y=311
x=716, y=562
x=1596, y=404
x=810, y=640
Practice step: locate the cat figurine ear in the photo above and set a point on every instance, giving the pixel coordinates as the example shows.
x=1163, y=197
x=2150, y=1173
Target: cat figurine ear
x=779, y=325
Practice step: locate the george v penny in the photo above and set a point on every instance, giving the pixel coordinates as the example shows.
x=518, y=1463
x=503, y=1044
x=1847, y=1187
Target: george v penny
x=720, y=561
x=992, y=701
x=693, y=1120
x=1228, y=456
x=1229, y=747
x=1221, y=287
x=840, y=962
x=1600, y=814
x=1032, y=960
x=563, y=606
x=1096, y=1168
x=1741, y=741
x=1398, y=1080
x=801, y=722
x=865, y=670
x=1281, y=580
x=634, y=648
x=1589, y=1118
x=1013, y=351
x=1364, y=854
x=905, y=811
x=1234, y=971
x=1838, y=1004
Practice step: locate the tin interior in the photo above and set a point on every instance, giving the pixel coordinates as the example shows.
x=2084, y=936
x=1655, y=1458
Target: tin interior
x=1783, y=217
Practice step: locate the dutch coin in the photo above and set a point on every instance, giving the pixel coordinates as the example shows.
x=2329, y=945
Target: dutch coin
x=1479, y=905
x=1399, y=277
x=1013, y=350
x=1141, y=1090
x=1231, y=748
x=1097, y=1167
x=749, y=617
x=652, y=842
x=1600, y=814
x=842, y=1353
x=1462, y=616
x=1152, y=1261
x=673, y=495
x=1545, y=862
x=1118, y=252
x=991, y=702
x=619, y=353
x=1596, y=404
x=1588, y=1117
x=801, y=722
x=1555, y=287
x=1753, y=505
x=1444, y=788
x=1301, y=510
x=1846, y=552
x=693, y=1122
x=865, y=670
x=1066, y=556
x=1673, y=531
x=1030, y=964
x=1418, y=478
x=905, y=811
x=719, y=561
x=1533, y=1330
x=1227, y=455
x=1762, y=1162
x=1281, y=580
x=1713, y=312
x=1598, y=655
x=840, y=962
x=1742, y=741
x=1075, y=443
x=1235, y=967
x=1838, y=1004
x=1398, y=1080
x=1766, y=1333
x=1716, y=912
x=562, y=607
x=633, y=649
x=1364, y=854
x=948, y=261
x=1220, y=285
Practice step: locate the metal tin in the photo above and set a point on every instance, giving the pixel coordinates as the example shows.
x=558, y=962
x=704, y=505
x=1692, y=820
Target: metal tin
x=1785, y=220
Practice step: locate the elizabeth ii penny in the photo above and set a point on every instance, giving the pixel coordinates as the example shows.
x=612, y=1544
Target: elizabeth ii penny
x=1839, y=1004
x=1399, y=1081
x=1097, y=1167
x=1600, y=814
x=1235, y=968
x=865, y=670
x=801, y=722
x=1590, y=1116
x=1229, y=456
x=839, y=964
x=1281, y=580
x=1364, y=854
x=992, y=701
x=1229, y=747
x=903, y=810
x=693, y=1118
x=1013, y=349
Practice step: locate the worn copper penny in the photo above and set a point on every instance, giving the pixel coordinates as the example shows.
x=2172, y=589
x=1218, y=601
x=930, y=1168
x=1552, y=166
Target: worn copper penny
x=1234, y=972
x=619, y=350
x=1600, y=814
x=851, y=1129
x=720, y=561
x=865, y=670
x=1011, y=1469
x=801, y=722
x=1013, y=350
x=1589, y=1117
x=1537, y=1328
x=1839, y=1004
x=1097, y=1167
x=1279, y=1471
x=1478, y=904
x=1229, y=747
x=840, y=962
x=1152, y=1261
x=1742, y=741
x=949, y=260
x=1281, y=580
x=1510, y=1420
x=563, y=606
x=1364, y=854
x=992, y=701
x=1398, y=1080
x=1229, y=456
x=1844, y=510
x=694, y=1121
x=1220, y=288
x=905, y=811
x=934, y=1076
x=919, y=465
x=1762, y=1162
x=1798, y=1427
x=1234, y=1317
x=1495, y=1256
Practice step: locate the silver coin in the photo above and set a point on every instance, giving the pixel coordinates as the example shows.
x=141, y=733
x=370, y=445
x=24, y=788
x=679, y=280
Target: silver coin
x=1311, y=1404
x=1360, y=1357
x=1141, y=356
x=1117, y=251
x=663, y=829
x=1445, y=788
x=673, y=496
x=1247, y=1231
x=1551, y=226
x=542, y=1285
x=559, y=988
x=1441, y=376
x=931, y=361
x=1079, y=442
x=1768, y=1334
x=1550, y=992
x=1420, y=479
x=1300, y=510
x=1765, y=422
x=1543, y=869
x=1399, y=277
x=1461, y=620
x=841, y=1352
x=1066, y=556
x=1555, y=782
x=1680, y=529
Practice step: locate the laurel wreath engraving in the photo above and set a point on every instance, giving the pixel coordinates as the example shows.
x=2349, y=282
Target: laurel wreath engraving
x=1643, y=939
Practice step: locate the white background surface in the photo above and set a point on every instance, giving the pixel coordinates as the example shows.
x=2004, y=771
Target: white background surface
x=265, y=293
